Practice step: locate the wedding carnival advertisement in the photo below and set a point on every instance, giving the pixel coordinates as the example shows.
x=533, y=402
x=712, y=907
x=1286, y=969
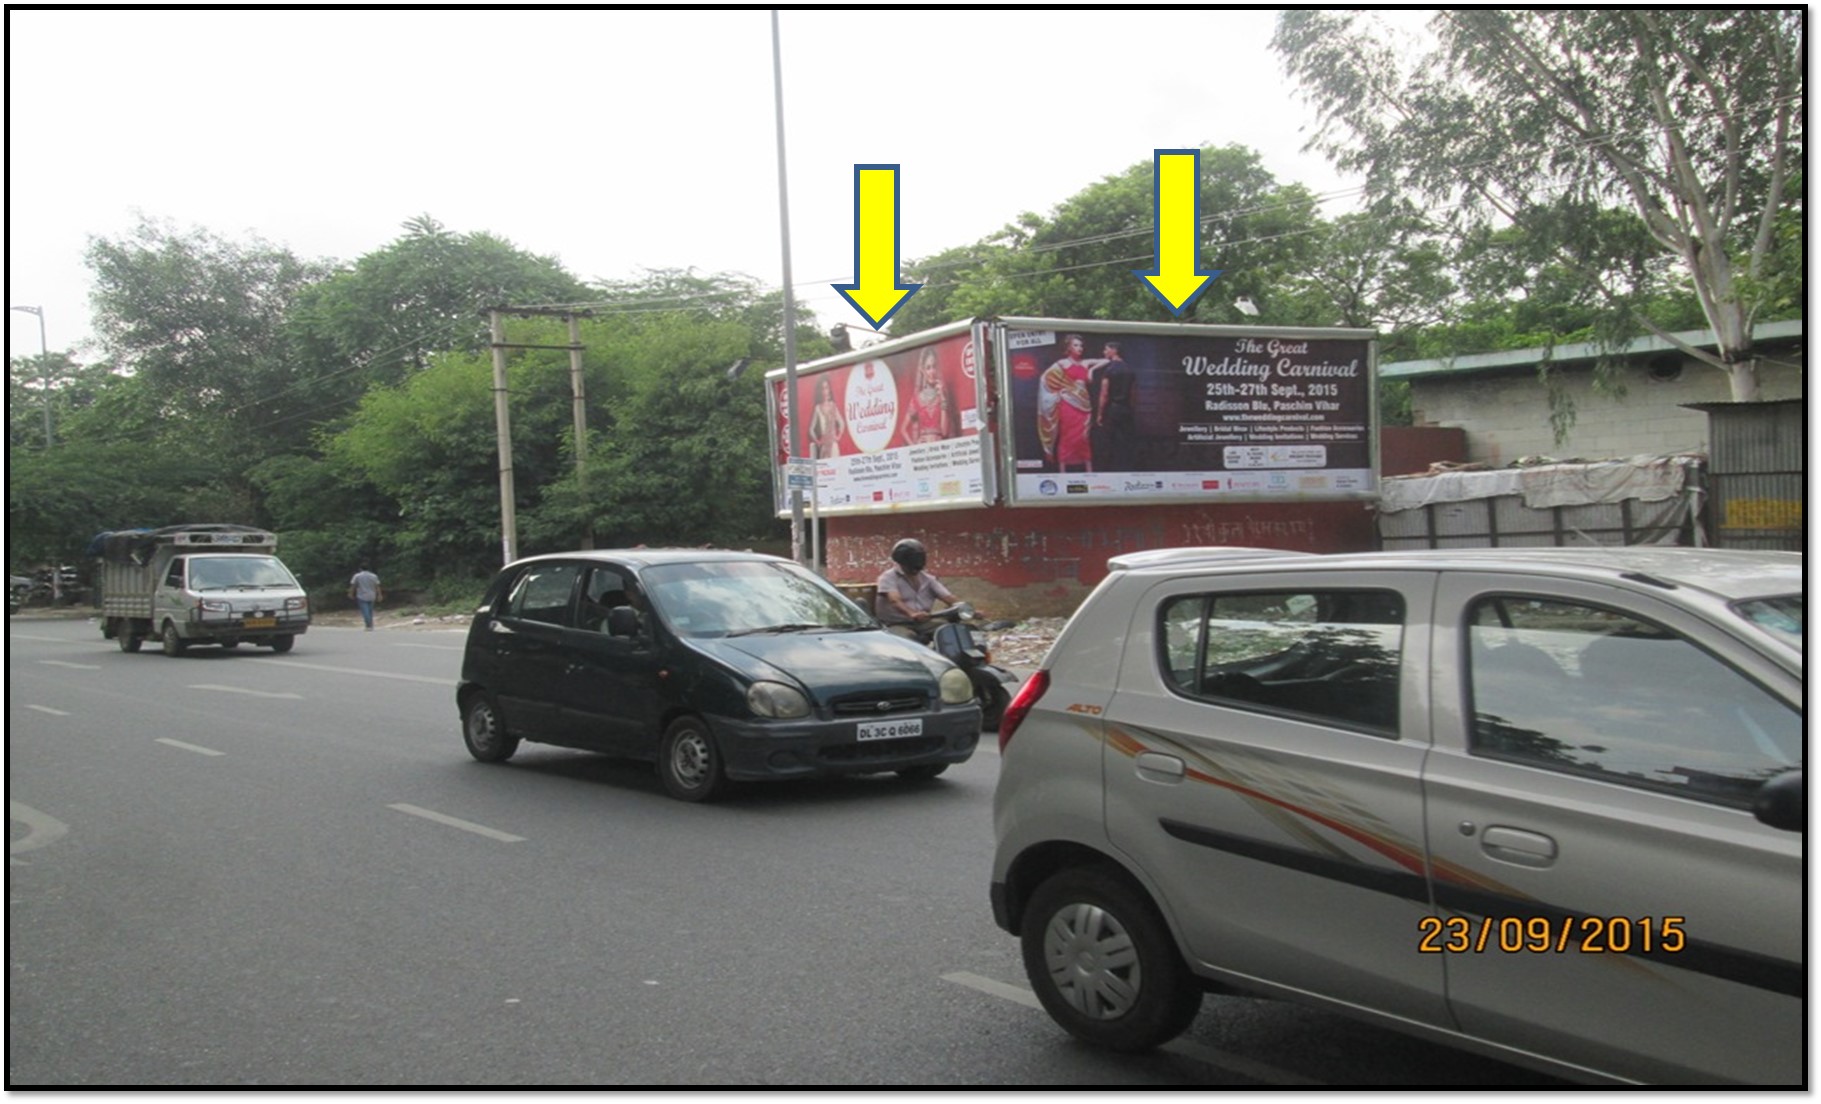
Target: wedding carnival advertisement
x=1100, y=413
x=896, y=426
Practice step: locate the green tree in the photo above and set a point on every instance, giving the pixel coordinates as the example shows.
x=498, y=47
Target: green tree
x=201, y=320
x=1077, y=262
x=676, y=451
x=1542, y=119
x=426, y=448
x=41, y=389
x=1382, y=269
x=426, y=292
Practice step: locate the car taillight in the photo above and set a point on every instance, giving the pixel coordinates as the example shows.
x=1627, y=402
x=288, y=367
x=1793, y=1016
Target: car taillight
x=1021, y=703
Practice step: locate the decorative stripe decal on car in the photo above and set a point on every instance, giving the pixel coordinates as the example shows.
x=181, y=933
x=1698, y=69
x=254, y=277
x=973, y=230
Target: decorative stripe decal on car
x=1397, y=883
x=1699, y=956
x=1406, y=853
x=1456, y=889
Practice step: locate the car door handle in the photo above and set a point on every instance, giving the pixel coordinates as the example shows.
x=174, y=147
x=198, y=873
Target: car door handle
x=1518, y=847
x=1157, y=767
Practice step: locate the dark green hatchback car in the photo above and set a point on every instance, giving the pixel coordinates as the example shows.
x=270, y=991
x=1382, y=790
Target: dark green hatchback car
x=716, y=665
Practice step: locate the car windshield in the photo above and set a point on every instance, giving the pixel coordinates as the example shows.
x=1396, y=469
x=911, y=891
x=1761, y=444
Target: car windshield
x=734, y=597
x=1781, y=616
x=229, y=572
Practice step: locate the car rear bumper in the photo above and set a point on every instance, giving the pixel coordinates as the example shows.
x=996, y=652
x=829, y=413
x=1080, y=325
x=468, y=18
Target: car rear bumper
x=806, y=749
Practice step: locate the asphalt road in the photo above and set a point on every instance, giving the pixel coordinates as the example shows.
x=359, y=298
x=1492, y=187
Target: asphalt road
x=252, y=870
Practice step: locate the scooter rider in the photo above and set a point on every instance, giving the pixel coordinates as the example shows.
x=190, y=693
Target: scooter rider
x=907, y=594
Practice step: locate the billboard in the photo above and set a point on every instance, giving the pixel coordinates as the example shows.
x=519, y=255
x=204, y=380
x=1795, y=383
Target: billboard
x=893, y=427
x=1097, y=413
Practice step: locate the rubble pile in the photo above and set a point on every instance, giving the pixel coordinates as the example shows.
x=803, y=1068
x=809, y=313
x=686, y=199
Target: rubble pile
x=1023, y=645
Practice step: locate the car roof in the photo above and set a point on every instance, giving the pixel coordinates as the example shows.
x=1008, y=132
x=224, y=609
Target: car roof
x=651, y=557
x=1731, y=574
x=1208, y=554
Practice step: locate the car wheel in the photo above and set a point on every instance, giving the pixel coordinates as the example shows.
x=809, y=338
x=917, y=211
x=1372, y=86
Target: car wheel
x=283, y=643
x=688, y=763
x=922, y=773
x=1103, y=962
x=229, y=645
x=173, y=644
x=128, y=639
x=484, y=731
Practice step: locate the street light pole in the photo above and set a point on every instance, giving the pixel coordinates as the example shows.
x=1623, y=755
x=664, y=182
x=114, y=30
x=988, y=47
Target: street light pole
x=792, y=434
x=44, y=368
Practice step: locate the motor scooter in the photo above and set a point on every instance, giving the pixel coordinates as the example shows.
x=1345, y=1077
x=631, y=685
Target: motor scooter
x=954, y=640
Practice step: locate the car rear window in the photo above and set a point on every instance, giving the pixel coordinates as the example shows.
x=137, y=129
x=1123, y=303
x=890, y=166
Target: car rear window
x=1330, y=655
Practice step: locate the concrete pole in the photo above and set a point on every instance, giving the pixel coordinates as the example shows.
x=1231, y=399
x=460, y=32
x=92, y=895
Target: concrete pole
x=581, y=424
x=508, y=517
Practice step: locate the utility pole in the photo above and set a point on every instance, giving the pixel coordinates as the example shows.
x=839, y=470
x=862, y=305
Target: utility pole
x=508, y=523
x=581, y=423
x=508, y=516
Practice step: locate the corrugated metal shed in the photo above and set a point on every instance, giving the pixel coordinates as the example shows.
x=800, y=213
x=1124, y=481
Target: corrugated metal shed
x=1756, y=473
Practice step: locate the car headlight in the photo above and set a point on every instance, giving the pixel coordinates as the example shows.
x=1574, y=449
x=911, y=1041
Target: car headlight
x=956, y=687
x=214, y=605
x=774, y=699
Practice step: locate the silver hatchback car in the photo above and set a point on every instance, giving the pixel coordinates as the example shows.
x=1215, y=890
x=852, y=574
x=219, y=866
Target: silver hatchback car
x=1545, y=804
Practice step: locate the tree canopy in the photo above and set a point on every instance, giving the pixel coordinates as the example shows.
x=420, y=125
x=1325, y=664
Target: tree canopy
x=1549, y=122
x=350, y=407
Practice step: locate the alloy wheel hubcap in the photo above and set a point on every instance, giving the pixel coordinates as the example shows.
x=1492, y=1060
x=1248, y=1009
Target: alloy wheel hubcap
x=1092, y=961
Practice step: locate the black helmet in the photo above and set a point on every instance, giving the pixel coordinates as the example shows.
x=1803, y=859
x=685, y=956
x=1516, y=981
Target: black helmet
x=909, y=555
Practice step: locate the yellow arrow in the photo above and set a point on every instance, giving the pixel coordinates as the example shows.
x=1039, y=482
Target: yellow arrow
x=876, y=292
x=1176, y=279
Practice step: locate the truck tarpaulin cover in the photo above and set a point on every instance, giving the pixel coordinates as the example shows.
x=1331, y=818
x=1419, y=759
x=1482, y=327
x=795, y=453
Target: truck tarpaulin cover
x=896, y=430
x=1108, y=416
x=135, y=546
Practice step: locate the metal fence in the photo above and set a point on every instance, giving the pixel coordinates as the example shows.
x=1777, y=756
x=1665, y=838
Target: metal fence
x=1756, y=474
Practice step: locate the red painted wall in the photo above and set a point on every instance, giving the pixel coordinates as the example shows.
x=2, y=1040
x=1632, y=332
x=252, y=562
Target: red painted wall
x=1041, y=562
x=1409, y=450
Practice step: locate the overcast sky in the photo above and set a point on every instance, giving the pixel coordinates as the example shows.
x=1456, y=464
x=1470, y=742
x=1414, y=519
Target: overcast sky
x=614, y=141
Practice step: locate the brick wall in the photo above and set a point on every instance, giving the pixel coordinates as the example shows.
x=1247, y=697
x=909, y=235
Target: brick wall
x=1041, y=562
x=1507, y=415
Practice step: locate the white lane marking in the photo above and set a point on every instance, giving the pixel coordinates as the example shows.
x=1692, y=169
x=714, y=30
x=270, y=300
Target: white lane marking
x=48, y=709
x=1220, y=1059
x=41, y=830
x=238, y=690
x=357, y=671
x=189, y=747
x=464, y=825
x=63, y=663
x=1233, y=1063
x=1013, y=993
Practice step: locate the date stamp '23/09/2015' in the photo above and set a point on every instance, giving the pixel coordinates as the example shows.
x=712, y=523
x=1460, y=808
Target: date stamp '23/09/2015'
x=1551, y=935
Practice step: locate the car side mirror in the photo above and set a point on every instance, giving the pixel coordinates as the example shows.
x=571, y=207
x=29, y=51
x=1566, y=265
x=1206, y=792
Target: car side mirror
x=1782, y=802
x=622, y=621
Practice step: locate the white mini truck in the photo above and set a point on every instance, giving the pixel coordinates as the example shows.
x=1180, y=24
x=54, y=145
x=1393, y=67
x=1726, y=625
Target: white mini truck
x=198, y=584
